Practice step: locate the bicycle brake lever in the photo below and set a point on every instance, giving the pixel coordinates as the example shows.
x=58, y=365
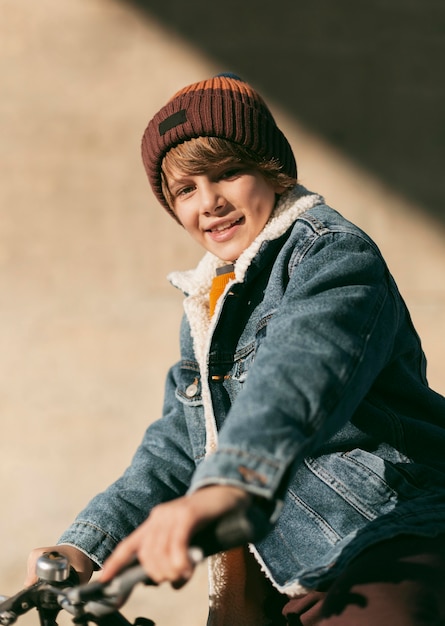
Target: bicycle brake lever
x=99, y=599
x=18, y=604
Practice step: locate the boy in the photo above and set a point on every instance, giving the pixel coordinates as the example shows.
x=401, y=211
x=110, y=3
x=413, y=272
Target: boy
x=301, y=385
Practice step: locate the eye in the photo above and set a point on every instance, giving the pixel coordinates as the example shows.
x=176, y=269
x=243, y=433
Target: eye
x=183, y=191
x=231, y=172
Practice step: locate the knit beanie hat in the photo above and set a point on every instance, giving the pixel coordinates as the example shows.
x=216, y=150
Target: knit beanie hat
x=223, y=106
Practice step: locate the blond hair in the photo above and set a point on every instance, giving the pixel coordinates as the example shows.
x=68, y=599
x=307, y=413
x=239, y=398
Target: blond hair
x=196, y=156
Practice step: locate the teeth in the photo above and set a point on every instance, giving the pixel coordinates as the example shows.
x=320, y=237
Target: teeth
x=224, y=226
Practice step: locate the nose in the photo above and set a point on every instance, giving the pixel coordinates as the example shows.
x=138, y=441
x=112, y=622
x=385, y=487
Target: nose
x=211, y=199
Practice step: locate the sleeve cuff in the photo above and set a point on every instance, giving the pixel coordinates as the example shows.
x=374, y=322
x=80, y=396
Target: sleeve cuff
x=259, y=475
x=89, y=539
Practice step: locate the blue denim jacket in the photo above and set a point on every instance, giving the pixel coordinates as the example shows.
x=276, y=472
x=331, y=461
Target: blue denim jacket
x=308, y=387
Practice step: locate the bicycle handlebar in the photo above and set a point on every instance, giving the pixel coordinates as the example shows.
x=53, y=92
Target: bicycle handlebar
x=99, y=602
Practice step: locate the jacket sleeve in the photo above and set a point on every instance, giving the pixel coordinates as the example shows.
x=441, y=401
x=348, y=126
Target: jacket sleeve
x=326, y=342
x=160, y=470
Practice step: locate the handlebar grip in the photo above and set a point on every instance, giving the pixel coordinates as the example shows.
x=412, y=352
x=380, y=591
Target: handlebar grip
x=235, y=529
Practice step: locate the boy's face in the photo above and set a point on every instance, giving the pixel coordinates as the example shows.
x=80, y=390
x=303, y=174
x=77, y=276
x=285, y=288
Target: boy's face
x=224, y=209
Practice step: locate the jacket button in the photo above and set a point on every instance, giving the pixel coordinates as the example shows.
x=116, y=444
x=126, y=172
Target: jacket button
x=191, y=390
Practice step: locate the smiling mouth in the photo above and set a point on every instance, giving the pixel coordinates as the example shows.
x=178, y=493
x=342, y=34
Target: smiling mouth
x=223, y=227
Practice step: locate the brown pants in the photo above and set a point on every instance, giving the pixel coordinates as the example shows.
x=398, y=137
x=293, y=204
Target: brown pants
x=400, y=582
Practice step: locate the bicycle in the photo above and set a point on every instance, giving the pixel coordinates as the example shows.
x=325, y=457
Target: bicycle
x=58, y=586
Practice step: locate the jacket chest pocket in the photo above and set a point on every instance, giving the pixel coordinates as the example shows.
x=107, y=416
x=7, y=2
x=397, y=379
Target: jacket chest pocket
x=243, y=361
x=244, y=357
x=189, y=396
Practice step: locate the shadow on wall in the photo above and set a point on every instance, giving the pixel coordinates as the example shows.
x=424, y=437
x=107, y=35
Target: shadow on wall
x=368, y=77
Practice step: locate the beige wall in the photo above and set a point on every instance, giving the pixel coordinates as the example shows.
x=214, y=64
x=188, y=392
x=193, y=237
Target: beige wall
x=87, y=321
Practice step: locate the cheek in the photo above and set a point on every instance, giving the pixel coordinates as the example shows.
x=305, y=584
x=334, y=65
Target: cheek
x=263, y=212
x=190, y=225
x=183, y=217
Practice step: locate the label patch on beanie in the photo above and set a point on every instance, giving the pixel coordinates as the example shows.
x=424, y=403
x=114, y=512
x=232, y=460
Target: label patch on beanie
x=173, y=120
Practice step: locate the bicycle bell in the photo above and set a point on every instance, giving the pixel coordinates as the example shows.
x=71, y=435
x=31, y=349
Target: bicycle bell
x=53, y=567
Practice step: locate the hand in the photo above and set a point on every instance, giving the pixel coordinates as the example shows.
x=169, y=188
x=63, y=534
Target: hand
x=161, y=543
x=78, y=560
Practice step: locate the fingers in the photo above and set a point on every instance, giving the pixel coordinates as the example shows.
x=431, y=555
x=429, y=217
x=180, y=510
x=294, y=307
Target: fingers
x=161, y=543
x=122, y=556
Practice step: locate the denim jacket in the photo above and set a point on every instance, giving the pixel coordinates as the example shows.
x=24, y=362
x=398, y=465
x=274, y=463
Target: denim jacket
x=307, y=387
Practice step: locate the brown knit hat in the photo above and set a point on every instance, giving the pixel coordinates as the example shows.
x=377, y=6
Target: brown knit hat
x=223, y=106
